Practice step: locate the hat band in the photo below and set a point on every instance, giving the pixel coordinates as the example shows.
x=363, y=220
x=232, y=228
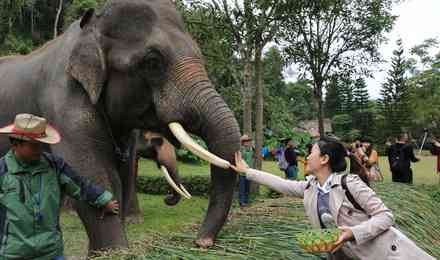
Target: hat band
x=27, y=134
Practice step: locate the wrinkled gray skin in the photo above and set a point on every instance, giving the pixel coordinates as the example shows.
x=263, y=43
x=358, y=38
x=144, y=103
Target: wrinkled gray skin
x=134, y=62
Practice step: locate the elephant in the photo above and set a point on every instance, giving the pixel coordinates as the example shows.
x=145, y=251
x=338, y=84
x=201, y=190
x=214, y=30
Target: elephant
x=130, y=65
x=154, y=146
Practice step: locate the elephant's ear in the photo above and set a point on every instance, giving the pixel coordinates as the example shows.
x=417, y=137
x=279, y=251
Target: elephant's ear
x=87, y=63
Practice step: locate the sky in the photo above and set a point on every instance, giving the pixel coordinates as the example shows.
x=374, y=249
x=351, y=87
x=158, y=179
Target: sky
x=418, y=20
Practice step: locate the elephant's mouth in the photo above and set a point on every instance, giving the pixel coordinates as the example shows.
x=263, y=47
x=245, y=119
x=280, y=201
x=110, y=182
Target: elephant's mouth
x=183, y=138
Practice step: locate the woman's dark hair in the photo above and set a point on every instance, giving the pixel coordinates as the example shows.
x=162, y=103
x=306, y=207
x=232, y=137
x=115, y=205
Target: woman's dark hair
x=369, y=150
x=336, y=152
x=356, y=167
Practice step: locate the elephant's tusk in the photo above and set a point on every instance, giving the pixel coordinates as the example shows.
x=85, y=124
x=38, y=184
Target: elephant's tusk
x=172, y=183
x=185, y=191
x=183, y=137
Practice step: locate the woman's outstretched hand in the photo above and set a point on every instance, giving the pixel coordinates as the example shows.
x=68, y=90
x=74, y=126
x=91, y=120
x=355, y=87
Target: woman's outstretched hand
x=240, y=165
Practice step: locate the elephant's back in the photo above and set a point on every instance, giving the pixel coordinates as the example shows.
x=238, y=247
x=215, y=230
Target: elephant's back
x=7, y=59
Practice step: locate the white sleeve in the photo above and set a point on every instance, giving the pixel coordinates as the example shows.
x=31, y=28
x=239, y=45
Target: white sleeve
x=289, y=187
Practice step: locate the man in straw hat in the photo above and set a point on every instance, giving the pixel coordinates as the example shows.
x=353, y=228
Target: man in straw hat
x=31, y=186
x=247, y=152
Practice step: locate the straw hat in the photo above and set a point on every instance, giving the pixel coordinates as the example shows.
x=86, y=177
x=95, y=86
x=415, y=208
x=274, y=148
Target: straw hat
x=32, y=128
x=245, y=138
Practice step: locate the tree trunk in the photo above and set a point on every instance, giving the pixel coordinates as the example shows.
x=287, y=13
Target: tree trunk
x=32, y=18
x=318, y=100
x=57, y=18
x=259, y=138
x=247, y=99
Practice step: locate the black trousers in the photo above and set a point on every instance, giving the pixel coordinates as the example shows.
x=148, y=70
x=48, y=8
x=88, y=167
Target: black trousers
x=404, y=176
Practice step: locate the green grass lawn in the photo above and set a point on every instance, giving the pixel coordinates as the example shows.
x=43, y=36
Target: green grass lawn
x=424, y=171
x=160, y=218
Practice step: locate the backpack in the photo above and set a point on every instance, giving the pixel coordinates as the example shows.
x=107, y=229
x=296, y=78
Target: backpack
x=282, y=163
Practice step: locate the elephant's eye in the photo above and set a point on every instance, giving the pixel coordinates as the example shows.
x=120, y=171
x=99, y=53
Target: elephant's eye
x=154, y=64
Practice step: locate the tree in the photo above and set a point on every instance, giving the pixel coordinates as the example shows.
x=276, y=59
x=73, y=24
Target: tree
x=55, y=27
x=360, y=94
x=300, y=100
x=240, y=22
x=253, y=24
x=425, y=87
x=362, y=115
x=333, y=98
x=395, y=94
x=78, y=7
x=326, y=36
x=346, y=89
x=273, y=78
x=278, y=113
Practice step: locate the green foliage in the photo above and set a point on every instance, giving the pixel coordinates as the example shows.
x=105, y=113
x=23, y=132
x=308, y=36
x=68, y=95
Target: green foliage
x=395, y=95
x=347, y=101
x=301, y=139
x=196, y=185
x=342, y=124
x=16, y=45
x=424, y=86
x=273, y=64
x=300, y=100
x=78, y=8
x=334, y=98
x=331, y=37
x=184, y=155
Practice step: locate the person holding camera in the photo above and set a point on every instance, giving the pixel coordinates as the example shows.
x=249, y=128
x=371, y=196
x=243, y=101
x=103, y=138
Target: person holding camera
x=371, y=161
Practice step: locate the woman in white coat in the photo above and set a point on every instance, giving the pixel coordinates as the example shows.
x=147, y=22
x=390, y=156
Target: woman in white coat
x=366, y=223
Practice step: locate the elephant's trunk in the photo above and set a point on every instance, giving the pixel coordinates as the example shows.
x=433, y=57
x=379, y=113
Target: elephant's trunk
x=221, y=132
x=205, y=113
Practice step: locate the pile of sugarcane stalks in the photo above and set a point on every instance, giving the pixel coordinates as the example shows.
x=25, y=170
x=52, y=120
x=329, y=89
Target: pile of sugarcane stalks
x=267, y=229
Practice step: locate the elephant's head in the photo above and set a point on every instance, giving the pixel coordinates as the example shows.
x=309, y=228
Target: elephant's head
x=135, y=59
x=154, y=146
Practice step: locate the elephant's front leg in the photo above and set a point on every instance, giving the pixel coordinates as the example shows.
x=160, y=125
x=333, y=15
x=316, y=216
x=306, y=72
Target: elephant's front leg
x=88, y=148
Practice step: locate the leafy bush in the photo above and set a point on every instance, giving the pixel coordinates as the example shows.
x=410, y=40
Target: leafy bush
x=185, y=155
x=16, y=45
x=196, y=185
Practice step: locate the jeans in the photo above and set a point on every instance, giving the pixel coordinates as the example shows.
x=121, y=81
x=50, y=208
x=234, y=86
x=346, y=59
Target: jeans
x=58, y=257
x=292, y=172
x=243, y=194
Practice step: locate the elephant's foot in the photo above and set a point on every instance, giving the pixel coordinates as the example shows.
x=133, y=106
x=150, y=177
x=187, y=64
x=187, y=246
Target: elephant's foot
x=204, y=242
